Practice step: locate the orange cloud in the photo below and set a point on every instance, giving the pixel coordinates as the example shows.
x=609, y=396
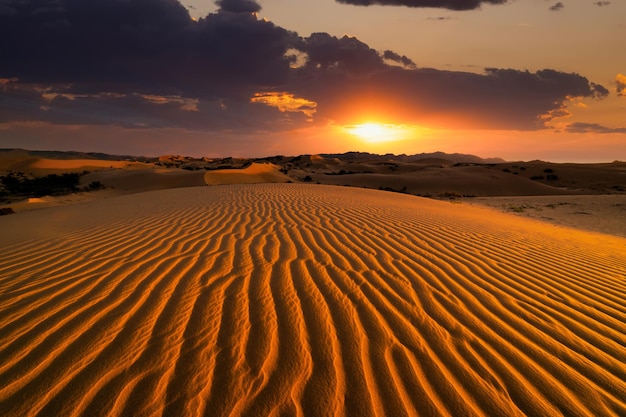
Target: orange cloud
x=285, y=102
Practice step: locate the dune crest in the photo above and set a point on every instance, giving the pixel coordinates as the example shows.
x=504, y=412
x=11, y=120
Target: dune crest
x=255, y=173
x=291, y=299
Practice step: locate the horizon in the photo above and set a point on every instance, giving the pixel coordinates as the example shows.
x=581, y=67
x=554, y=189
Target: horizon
x=486, y=159
x=244, y=78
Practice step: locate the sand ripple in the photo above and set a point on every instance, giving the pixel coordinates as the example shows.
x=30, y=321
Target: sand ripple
x=285, y=299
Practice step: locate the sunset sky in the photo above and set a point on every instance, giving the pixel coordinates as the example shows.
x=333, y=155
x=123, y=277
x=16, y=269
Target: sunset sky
x=524, y=79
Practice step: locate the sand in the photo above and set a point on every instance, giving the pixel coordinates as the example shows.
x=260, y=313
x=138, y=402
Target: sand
x=292, y=299
x=255, y=173
x=596, y=213
x=17, y=162
x=437, y=181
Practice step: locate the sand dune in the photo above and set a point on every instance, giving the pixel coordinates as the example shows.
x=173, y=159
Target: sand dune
x=290, y=299
x=43, y=166
x=140, y=180
x=116, y=182
x=253, y=174
x=435, y=181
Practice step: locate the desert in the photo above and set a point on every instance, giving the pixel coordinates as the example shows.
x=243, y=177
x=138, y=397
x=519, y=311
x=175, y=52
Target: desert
x=339, y=208
x=266, y=293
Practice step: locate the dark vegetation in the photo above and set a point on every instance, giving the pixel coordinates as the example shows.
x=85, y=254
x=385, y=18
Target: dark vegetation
x=95, y=185
x=344, y=172
x=18, y=185
x=394, y=190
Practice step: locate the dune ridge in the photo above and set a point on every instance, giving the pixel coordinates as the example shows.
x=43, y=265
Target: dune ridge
x=255, y=173
x=291, y=299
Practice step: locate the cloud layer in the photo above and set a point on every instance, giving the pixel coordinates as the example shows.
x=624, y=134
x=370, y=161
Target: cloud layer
x=442, y=4
x=592, y=128
x=146, y=63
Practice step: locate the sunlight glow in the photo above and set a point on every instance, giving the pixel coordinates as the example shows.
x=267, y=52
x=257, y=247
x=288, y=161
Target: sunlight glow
x=378, y=132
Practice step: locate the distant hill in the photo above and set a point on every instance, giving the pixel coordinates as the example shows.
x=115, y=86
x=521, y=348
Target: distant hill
x=347, y=157
x=454, y=157
x=77, y=155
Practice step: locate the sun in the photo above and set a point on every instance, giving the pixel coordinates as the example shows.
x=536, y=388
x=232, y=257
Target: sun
x=377, y=132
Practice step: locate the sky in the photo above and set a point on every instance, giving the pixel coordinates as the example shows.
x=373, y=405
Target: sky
x=516, y=79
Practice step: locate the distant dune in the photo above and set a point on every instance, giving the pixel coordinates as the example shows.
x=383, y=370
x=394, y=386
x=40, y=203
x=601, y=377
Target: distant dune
x=30, y=163
x=310, y=300
x=253, y=174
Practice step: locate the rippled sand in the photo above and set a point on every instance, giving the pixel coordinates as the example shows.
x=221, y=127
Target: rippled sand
x=289, y=299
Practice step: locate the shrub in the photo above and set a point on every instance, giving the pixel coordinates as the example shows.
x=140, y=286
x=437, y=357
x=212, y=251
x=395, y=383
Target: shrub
x=95, y=185
x=516, y=209
x=53, y=184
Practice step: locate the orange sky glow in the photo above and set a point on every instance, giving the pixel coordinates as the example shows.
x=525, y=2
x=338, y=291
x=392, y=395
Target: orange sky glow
x=518, y=80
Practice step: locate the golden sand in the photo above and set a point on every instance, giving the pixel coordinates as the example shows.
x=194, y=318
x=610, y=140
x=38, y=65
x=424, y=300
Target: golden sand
x=290, y=299
x=43, y=166
x=254, y=174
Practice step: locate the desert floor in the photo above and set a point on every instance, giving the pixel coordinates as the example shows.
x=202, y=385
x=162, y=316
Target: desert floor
x=597, y=213
x=304, y=299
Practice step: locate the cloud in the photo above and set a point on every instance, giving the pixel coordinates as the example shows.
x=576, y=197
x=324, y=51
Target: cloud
x=620, y=82
x=556, y=7
x=498, y=98
x=146, y=63
x=442, y=4
x=238, y=6
x=592, y=128
x=331, y=54
x=148, y=45
x=400, y=59
x=602, y=3
x=285, y=102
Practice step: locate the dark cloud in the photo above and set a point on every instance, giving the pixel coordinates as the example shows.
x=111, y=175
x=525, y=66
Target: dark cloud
x=442, y=4
x=146, y=45
x=331, y=54
x=146, y=63
x=400, y=59
x=556, y=7
x=238, y=6
x=620, y=85
x=500, y=98
x=6, y=10
x=592, y=128
x=602, y=3
x=22, y=104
